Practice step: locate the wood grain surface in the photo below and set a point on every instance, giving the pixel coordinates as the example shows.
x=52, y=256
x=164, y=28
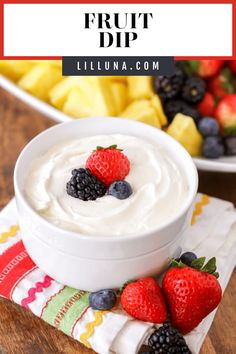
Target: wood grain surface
x=23, y=333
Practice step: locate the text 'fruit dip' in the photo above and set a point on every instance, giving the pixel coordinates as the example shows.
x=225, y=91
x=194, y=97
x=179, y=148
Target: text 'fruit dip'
x=159, y=188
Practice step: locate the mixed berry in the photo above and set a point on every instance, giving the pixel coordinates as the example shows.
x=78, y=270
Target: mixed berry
x=168, y=339
x=84, y=185
x=120, y=189
x=103, y=299
x=204, y=90
x=190, y=291
x=105, y=171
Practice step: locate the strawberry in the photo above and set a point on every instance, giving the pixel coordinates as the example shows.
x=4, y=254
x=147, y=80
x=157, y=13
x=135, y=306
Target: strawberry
x=191, y=292
x=223, y=84
x=203, y=68
x=232, y=65
x=143, y=300
x=225, y=113
x=108, y=164
x=207, y=105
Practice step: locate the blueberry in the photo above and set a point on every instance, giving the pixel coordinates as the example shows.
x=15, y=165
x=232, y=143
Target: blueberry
x=209, y=127
x=102, y=299
x=188, y=257
x=230, y=145
x=120, y=189
x=213, y=147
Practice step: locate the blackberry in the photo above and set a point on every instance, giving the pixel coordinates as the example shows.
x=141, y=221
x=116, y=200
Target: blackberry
x=84, y=185
x=167, y=339
x=194, y=89
x=173, y=107
x=169, y=86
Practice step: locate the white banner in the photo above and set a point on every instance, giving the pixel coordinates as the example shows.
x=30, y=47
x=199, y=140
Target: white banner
x=118, y=29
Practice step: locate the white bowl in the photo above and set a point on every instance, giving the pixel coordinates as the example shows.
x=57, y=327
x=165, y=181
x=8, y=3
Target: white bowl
x=96, y=262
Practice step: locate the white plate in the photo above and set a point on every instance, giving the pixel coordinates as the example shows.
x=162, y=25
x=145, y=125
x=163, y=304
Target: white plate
x=224, y=164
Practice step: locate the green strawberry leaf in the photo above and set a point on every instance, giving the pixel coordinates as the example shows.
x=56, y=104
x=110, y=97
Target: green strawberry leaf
x=108, y=147
x=230, y=130
x=227, y=80
x=191, y=67
x=210, y=266
x=175, y=263
x=216, y=274
x=198, y=263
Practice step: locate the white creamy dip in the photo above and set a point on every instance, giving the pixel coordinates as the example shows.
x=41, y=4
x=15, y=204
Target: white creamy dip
x=159, y=188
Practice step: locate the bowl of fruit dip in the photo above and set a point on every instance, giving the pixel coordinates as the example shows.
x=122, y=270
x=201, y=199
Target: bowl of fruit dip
x=95, y=218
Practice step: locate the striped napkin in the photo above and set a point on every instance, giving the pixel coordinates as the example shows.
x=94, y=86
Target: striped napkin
x=213, y=232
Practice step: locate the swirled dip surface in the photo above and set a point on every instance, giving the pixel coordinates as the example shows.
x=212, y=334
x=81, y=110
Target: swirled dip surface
x=159, y=188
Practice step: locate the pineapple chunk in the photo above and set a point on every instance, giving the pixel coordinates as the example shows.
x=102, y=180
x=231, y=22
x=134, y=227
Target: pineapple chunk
x=106, y=93
x=15, y=69
x=157, y=105
x=79, y=104
x=40, y=79
x=51, y=62
x=140, y=87
x=184, y=130
x=119, y=90
x=118, y=78
x=59, y=93
x=92, y=97
x=142, y=111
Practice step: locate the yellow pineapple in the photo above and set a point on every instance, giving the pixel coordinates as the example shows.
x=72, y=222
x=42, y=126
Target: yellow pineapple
x=51, y=62
x=157, y=105
x=118, y=78
x=119, y=90
x=59, y=93
x=140, y=87
x=40, y=79
x=105, y=92
x=142, y=111
x=92, y=97
x=184, y=130
x=15, y=69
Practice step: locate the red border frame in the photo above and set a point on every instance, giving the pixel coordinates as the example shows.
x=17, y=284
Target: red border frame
x=232, y=2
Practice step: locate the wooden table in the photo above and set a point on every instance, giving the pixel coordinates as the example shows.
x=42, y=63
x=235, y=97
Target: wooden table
x=23, y=333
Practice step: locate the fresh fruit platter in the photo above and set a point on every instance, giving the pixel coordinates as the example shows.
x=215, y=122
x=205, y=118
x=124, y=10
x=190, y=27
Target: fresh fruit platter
x=196, y=104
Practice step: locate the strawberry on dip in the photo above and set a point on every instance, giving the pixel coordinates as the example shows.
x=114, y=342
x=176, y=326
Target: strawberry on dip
x=108, y=164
